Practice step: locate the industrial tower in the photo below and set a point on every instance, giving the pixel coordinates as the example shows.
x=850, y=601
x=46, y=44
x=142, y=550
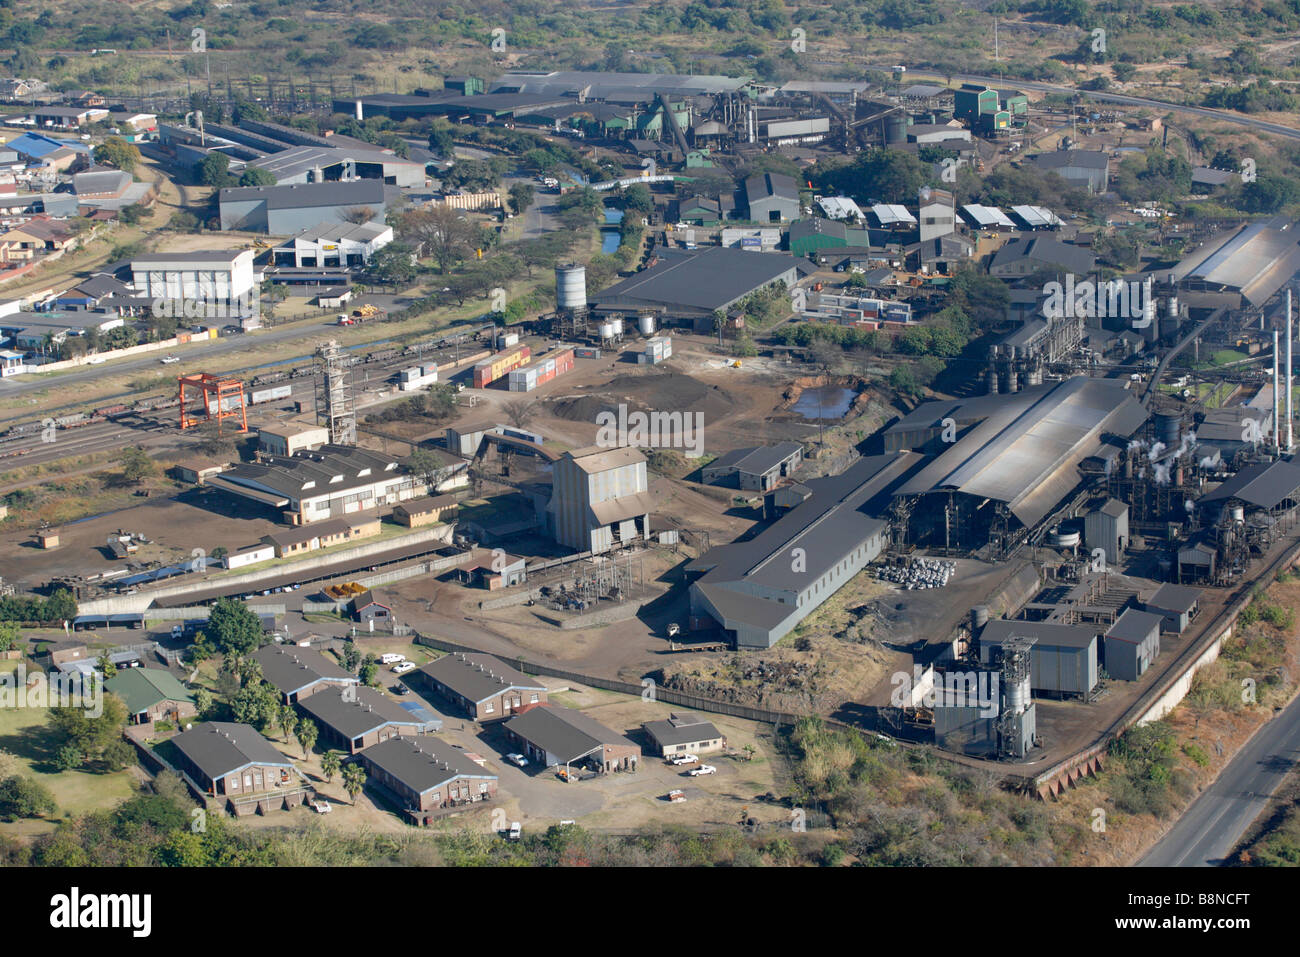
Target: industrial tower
x=340, y=410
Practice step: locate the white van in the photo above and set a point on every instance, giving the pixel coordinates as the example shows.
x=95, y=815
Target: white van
x=391, y=658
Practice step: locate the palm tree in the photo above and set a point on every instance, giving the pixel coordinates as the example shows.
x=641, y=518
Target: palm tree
x=354, y=779
x=307, y=734
x=330, y=764
x=288, y=721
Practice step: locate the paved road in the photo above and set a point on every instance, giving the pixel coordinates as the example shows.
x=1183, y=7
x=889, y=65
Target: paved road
x=1224, y=115
x=1211, y=827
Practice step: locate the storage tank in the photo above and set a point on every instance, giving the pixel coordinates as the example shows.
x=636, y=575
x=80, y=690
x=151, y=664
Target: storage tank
x=1169, y=427
x=979, y=617
x=647, y=324
x=1062, y=538
x=1018, y=695
x=1238, y=514
x=606, y=330
x=571, y=286
x=896, y=128
x=617, y=325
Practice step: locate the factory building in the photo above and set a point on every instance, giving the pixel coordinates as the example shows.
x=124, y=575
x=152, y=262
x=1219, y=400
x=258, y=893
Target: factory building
x=937, y=213
x=756, y=469
x=772, y=198
x=600, y=498
x=1024, y=257
x=1106, y=528
x=326, y=164
x=285, y=210
x=1132, y=643
x=1008, y=461
x=333, y=244
x=1023, y=357
x=1089, y=169
x=216, y=275
x=759, y=590
x=1178, y=606
x=1245, y=270
x=1064, y=658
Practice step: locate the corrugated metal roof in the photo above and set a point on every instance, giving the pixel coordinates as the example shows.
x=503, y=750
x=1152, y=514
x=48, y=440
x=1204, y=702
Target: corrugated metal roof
x=1264, y=486
x=985, y=217
x=1257, y=261
x=890, y=213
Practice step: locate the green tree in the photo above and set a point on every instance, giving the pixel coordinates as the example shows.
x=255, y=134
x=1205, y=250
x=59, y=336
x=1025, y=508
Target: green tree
x=369, y=670
x=354, y=779
x=116, y=151
x=213, y=170
x=256, y=176
x=235, y=628
x=69, y=757
x=351, y=656
x=394, y=264
x=22, y=797
x=521, y=197
x=136, y=464
x=89, y=734
x=106, y=667
x=60, y=606
x=330, y=764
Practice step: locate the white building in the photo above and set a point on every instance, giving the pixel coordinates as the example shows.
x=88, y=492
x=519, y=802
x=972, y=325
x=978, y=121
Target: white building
x=333, y=244
x=213, y=275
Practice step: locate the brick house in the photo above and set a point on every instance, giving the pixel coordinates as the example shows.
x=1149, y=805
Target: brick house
x=552, y=736
x=152, y=694
x=428, y=510
x=486, y=688
x=300, y=672
x=356, y=717
x=231, y=760
x=427, y=774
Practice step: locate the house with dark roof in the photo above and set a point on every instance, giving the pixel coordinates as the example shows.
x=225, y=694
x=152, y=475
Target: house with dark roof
x=426, y=774
x=151, y=694
x=484, y=687
x=300, y=672
x=355, y=717
x=551, y=736
x=684, y=733
x=232, y=760
x=758, y=468
x=1023, y=257
x=371, y=605
x=1131, y=644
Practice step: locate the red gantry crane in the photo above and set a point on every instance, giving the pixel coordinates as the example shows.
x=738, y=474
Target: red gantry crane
x=223, y=398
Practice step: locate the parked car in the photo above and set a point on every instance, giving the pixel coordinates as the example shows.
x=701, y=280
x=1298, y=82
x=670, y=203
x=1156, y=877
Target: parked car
x=683, y=759
x=169, y=359
x=400, y=688
x=518, y=759
x=702, y=769
x=404, y=667
x=516, y=830
x=391, y=658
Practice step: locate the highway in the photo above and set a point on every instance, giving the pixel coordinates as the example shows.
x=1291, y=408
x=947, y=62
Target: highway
x=1211, y=827
x=1120, y=98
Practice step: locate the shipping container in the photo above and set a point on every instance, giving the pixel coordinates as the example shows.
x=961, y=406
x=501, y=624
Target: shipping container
x=272, y=395
x=585, y=353
x=489, y=370
x=541, y=372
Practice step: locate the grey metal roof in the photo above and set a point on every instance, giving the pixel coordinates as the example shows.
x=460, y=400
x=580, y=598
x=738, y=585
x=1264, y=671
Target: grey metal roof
x=423, y=762
x=1060, y=159
x=1264, y=486
x=563, y=732
x=1046, y=634
x=331, y=469
x=605, y=84
x=1026, y=452
x=219, y=748
x=300, y=159
x=700, y=281
x=356, y=713
x=1046, y=252
x=1114, y=508
x=681, y=729
x=1257, y=261
x=1036, y=217
x=359, y=192
x=1176, y=598
x=1135, y=626
x=292, y=669
x=766, y=185
x=478, y=677
x=985, y=217
x=758, y=459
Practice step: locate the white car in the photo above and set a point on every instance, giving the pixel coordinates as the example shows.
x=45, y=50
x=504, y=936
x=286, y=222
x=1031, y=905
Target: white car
x=702, y=769
x=516, y=830
x=684, y=759
x=391, y=658
x=404, y=667
x=168, y=360
x=517, y=759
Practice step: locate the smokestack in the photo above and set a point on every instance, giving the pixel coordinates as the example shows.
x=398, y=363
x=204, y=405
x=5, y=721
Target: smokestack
x=1277, y=370
x=1290, y=429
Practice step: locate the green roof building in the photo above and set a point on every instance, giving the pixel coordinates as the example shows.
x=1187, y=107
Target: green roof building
x=151, y=694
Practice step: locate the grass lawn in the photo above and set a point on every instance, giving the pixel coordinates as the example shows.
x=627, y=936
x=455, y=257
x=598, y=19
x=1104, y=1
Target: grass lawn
x=27, y=747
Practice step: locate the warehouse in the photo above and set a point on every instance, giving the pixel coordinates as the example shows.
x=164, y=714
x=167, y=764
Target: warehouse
x=285, y=210
x=1177, y=604
x=1106, y=529
x=686, y=284
x=1087, y=168
x=1132, y=643
x=758, y=468
x=1063, y=658
x=333, y=482
x=1014, y=458
x=333, y=244
x=759, y=590
x=772, y=198
x=597, y=85
x=1249, y=268
x=323, y=164
x=215, y=275
x=600, y=498
x=1024, y=257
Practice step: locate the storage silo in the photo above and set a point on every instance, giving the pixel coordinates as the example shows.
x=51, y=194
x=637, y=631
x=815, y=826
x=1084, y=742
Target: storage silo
x=646, y=323
x=571, y=287
x=1169, y=428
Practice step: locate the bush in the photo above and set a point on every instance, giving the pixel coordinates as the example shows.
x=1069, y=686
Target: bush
x=21, y=797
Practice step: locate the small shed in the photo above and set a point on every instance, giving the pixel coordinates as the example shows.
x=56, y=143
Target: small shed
x=1178, y=604
x=48, y=538
x=1132, y=643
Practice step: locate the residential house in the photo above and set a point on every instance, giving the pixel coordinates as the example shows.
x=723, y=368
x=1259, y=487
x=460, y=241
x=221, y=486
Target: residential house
x=426, y=774
x=327, y=534
x=227, y=759
x=485, y=687
x=152, y=694
x=298, y=673
x=355, y=717
x=684, y=733
x=551, y=735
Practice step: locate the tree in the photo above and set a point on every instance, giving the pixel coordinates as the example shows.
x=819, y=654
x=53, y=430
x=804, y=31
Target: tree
x=354, y=779
x=69, y=757
x=106, y=667
x=118, y=755
x=521, y=197
x=116, y=151
x=520, y=411
x=307, y=734
x=351, y=656
x=256, y=176
x=60, y=606
x=202, y=701
x=213, y=441
x=359, y=215
x=236, y=630
x=89, y=735
x=21, y=797
x=329, y=765
x=213, y=170
x=423, y=463
x=136, y=464
x=394, y=264
x=369, y=670
x=288, y=721
x=440, y=232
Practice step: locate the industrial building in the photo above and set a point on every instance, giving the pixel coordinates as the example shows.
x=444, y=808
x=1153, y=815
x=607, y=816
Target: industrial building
x=1177, y=605
x=1024, y=257
x=772, y=198
x=758, y=469
x=313, y=486
x=600, y=498
x=214, y=276
x=285, y=210
x=333, y=244
x=686, y=284
x=1106, y=528
x=1132, y=643
x=1064, y=658
x=1247, y=269
x=1023, y=357
x=1089, y=169
x=759, y=590
x=325, y=164
x=1011, y=460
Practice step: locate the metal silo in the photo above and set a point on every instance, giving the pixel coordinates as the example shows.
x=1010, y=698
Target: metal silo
x=571, y=287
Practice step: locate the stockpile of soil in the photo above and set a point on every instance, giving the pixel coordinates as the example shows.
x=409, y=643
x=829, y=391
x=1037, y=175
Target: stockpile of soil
x=652, y=392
